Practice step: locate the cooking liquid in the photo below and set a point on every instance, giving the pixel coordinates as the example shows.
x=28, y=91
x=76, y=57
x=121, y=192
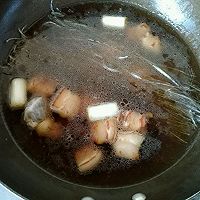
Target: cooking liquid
x=86, y=56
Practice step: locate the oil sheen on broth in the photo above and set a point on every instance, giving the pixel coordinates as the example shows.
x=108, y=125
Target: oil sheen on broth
x=96, y=61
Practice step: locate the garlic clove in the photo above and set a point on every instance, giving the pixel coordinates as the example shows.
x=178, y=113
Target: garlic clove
x=41, y=86
x=35, y=111
x=104, y=131
x=49, y=128
x=88, y=157
x=66, y=103
x=17, y=93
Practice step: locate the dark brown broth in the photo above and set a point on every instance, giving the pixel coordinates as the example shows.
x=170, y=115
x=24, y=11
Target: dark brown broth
x=160, y=149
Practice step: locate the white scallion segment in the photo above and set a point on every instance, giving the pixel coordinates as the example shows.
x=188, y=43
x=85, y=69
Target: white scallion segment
x=114, y=21
x=18, y=93
x=102, y=111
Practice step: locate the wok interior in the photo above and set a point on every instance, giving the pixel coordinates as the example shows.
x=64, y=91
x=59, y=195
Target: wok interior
x=69, y=58
x=185, y=174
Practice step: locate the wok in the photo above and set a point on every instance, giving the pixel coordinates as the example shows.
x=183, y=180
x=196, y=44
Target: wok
x=20, y=174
